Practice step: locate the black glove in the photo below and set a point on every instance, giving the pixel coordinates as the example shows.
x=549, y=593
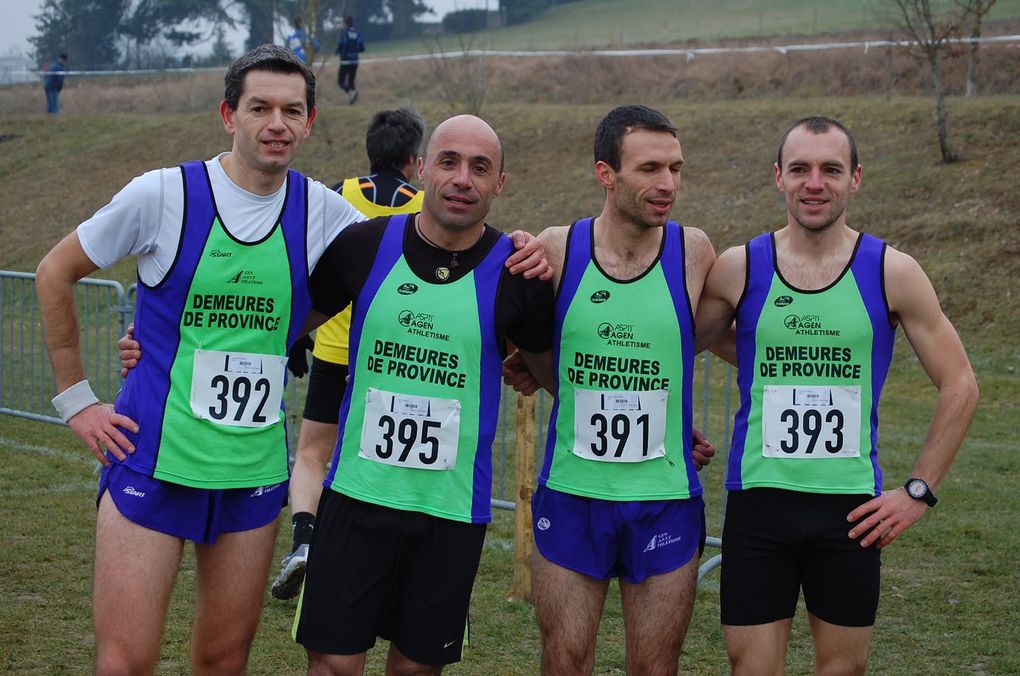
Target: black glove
x=297, y=361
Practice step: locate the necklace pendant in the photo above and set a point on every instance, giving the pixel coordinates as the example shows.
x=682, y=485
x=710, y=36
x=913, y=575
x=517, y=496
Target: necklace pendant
x=442, y=274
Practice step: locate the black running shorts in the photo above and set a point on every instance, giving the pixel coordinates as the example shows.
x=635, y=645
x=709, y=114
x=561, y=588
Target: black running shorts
x=777, y=542
x=377, y=571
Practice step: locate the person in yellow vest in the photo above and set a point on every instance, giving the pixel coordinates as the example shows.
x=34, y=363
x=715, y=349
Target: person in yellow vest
x=393, y=140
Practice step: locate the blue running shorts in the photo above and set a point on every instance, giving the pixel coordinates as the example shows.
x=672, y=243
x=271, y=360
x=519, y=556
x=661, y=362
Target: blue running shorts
x=197, y=514
x=605, y=538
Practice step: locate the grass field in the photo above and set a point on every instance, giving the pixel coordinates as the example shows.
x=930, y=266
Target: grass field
x=948, y=592
x=607, y=24
x=949, y=603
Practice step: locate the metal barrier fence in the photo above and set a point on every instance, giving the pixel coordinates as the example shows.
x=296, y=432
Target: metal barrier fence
x=105, y=309
x=26, y=379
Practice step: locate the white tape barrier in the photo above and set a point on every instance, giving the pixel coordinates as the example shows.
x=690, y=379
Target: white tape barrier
x=690, y=54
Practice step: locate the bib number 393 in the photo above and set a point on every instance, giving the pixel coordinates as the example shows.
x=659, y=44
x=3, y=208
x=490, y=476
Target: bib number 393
x=619, y=426
x=811, y=422
x=239, y=389
x=409, y=431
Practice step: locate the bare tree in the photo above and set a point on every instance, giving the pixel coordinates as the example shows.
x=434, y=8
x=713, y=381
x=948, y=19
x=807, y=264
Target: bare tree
x=931, y=30
x=975, y=11
x=461, y=74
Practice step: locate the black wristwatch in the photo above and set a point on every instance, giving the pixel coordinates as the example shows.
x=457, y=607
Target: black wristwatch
x=919, y=490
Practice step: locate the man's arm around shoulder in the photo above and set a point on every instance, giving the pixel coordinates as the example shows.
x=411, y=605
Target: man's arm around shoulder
x=723, y=289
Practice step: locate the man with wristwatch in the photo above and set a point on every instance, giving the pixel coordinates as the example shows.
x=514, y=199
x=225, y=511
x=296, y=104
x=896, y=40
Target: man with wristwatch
x=919, y=490
x=816, y=305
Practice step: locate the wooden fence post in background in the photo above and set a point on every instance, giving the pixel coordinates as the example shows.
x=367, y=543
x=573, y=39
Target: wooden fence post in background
x=523, y=541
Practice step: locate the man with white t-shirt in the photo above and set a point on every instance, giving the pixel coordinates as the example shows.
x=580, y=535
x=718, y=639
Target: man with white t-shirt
x=194, y=448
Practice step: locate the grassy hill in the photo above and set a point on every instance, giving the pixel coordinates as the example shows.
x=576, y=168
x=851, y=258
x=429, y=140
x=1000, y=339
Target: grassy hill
x=603, y=24
x=959, y=220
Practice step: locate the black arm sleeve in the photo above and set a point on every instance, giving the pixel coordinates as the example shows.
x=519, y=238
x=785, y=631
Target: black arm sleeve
x=344, y=266
x=524, y=312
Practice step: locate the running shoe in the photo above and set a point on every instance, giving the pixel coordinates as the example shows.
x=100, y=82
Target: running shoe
x=292, y=574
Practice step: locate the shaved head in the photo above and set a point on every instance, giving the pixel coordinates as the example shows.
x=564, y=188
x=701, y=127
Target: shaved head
x=461, y=173
x=461, y=126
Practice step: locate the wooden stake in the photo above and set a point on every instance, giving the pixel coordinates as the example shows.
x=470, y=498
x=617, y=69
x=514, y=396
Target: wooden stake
x=523, y=540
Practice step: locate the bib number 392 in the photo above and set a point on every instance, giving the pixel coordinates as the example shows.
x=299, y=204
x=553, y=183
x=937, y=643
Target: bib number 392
x=811, y=422
x=410, y=431
x=239, y=389
x=619, y=426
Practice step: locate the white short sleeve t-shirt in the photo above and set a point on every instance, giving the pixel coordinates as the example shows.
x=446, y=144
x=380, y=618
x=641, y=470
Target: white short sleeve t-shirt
x=145, y=219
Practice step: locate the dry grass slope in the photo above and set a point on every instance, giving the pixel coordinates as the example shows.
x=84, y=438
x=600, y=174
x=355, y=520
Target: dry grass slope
x=958, y=220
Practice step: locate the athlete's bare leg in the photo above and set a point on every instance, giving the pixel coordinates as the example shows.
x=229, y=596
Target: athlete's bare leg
x=840, y=651
x=321, y=664
x=759, y=649
x=231, y=586
x=656, y=614
x=134, y=575
x=315, y=447
x=399, y=664
x=568, y=606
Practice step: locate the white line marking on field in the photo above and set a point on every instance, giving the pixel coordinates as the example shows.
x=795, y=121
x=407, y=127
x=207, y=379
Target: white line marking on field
x=44, y=450
x=75, y=487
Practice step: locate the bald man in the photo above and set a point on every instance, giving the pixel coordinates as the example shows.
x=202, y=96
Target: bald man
x=400, y=527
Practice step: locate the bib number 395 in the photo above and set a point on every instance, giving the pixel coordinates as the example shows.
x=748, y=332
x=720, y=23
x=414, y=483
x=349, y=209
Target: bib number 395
x=619, y=426
x=811, y=422
x=410, y=431
x=238, y=389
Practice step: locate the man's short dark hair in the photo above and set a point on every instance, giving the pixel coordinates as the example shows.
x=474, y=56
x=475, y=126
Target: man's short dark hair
x=621, y=121
x=819, y=125
x=62, y=56
x=393, y=136
x=272, y=58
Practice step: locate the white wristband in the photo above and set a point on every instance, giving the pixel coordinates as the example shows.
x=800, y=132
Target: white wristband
x=74, y=400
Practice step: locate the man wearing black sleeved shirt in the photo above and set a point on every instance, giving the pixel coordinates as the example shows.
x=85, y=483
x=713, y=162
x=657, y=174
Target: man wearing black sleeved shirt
x=346, y=263
x=401, y=523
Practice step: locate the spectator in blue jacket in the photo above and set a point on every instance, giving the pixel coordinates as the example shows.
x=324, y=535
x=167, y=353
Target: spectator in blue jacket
x=297, y=40
x=351, y=44
x=53, y=82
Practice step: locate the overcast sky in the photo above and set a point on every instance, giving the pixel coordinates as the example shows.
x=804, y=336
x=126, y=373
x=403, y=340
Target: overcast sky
x=17, y=24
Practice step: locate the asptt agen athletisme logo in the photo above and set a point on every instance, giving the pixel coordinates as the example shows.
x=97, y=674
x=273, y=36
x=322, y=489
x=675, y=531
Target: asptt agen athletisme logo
x=662, y=540
x=262, y=490
x=245, y=277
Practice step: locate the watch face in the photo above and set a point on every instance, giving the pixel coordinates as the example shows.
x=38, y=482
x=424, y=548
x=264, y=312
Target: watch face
x=917, y=489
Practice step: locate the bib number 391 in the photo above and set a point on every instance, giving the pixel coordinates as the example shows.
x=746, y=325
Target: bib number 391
x=619, y=426
x=409, y=431
x=811, y=422
x=239, y=389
